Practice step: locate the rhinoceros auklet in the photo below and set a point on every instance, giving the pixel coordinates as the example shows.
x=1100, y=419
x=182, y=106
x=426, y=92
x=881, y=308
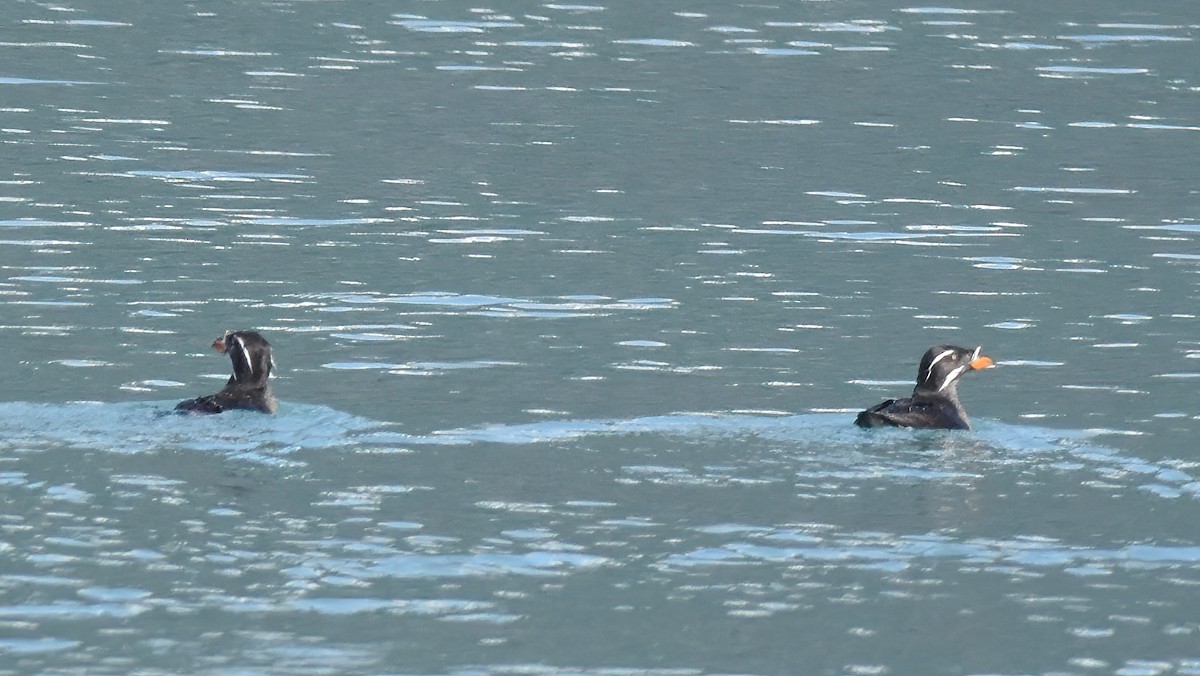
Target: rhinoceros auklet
x=247, y=388
x=934, y=402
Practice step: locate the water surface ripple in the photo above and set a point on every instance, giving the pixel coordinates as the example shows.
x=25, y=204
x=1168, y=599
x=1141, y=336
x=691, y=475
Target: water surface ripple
x=572, y=305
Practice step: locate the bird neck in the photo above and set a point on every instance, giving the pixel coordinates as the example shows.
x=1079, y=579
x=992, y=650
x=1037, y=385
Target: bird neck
x=248, y=381
x=926, y=392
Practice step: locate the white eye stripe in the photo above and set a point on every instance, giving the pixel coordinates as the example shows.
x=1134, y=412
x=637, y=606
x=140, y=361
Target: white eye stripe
x=943, y=355
x=953, y=375
x=975, y=354
x=243, y=354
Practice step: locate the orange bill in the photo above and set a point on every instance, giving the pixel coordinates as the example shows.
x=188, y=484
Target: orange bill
x=219, y=344
x=981, y=363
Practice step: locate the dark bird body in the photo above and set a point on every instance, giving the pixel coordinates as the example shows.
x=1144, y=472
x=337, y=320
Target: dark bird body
x=247, y=388
x=934, y=402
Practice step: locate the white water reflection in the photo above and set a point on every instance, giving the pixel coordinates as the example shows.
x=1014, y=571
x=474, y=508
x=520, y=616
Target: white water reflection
x=510, y=242
x=893, y=554
x=821, y=446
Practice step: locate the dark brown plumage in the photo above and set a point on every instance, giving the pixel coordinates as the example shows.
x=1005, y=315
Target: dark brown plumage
x=934, y=403
x=247, y=388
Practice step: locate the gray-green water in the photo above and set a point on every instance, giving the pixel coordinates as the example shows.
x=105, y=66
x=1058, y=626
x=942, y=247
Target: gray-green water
x=573, y=305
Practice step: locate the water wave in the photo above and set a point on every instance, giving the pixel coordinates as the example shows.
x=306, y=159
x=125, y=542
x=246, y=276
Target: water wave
x=806, y=446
